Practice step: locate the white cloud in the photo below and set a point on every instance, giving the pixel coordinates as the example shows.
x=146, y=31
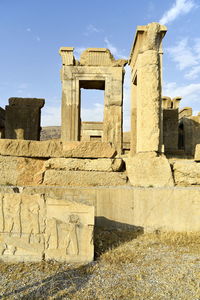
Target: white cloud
x=28, y=29
x=51, y=116
x=90, y=29
x=116, y=52
x=190, y=93
x=180, y=7
x=186, y=55
x=94, y=113
x=183, y=54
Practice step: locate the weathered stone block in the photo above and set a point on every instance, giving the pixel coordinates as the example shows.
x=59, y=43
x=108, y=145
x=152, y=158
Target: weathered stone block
x=148, y=169
x=22, y=118
x=186, y=172
x=88, y=150
x=197, y=153
x=19, y=170
x=52, y=148
x=83, y=178
x=33, y=228
x=69, y=231
x=79, y=164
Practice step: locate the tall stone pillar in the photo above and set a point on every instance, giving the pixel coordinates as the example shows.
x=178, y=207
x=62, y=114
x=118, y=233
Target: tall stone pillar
x=146, y=165
x=22, y=118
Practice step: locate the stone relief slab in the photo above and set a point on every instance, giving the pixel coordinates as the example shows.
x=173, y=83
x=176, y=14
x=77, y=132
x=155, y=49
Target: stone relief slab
x=69, y=231
x=33, y=228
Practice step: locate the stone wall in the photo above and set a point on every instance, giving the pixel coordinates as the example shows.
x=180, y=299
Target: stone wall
x=151, y=209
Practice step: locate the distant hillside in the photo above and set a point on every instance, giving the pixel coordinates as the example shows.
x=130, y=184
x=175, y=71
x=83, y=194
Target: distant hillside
x=50, y=132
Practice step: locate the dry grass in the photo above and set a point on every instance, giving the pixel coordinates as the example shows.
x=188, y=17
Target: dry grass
x=129, y=265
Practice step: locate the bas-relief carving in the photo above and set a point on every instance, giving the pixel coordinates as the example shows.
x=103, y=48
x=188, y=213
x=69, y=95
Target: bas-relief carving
x=31, y=229
x=68, y=231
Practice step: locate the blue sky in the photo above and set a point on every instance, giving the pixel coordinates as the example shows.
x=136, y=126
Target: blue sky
x=32, y=31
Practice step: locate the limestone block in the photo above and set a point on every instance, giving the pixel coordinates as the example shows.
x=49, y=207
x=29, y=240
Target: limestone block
x=54, y=148
x=33, y=228
x=19, y=170
x=96, y=57
x=186, y=172
x=88, y=149
x=22, y=227
x=197, y=153
x=78, y=164
x=148, y=169
x=84, y=178
x=30, y=148
x=69, y=231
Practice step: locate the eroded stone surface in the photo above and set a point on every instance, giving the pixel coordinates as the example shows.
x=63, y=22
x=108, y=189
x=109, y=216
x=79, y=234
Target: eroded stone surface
x=19, y=170
x=148, y=169
x=46, y=149
x=74, y=164
x=83, y=178
x=186, y=173
x=197, y=153
x=33, y=228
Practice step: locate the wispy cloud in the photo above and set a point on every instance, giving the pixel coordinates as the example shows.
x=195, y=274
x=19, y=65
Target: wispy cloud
x=115, y=51
x=186, y=55
x=90, y=29
x=51, y=116
x=189, y=92
x=180, y=7
x=183, y=54
x=28, y=29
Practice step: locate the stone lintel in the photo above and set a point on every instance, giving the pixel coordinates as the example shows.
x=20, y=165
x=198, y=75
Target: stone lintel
x=17, y=101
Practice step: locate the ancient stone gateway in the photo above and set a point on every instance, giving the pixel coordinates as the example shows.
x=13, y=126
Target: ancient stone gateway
x=97, y=69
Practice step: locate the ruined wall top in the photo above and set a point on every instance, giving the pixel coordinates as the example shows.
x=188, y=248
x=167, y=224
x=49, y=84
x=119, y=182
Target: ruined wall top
x=169, y=103
x=147, y=37
x=90, y=57
x=17, y=101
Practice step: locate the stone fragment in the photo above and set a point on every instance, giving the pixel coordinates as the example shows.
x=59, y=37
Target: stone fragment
x=186, y=172
x=147, y=169
x=197, y=153
x=88, y=150
x=30, y=148
x=79, y=164
x=55, y=148
x=19, y=170
x=84, y=178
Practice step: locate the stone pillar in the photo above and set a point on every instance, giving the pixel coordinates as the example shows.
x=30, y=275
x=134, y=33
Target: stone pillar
x=22, y=118
x=145, y=62
x=147, y=166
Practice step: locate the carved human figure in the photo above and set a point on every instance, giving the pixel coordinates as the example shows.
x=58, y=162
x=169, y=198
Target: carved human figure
x=72, y=239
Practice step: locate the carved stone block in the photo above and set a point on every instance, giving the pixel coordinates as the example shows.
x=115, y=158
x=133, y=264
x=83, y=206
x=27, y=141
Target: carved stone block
x=33, y=228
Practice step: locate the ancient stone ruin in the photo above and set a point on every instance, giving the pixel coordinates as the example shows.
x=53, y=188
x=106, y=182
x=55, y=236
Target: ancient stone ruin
x=58, y=183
